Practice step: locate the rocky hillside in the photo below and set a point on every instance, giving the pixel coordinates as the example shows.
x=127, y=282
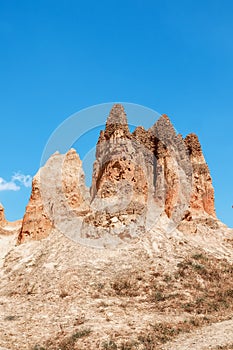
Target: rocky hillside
x=163, y=271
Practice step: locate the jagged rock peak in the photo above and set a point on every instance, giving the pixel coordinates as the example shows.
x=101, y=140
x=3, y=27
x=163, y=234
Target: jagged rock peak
x=36, y=222
x=166, y=118
x=193, y=145
x=145, y=138
x=164, y=130
x=117, y=115
x=202, y=199
x=73, y=155
x=117, y=122
x=58, y=191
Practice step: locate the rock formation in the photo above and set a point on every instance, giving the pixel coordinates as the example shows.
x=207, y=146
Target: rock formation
x=58, y=193
x=137, y=178
x=6, y=227
x=202, y=198
x=173, y=172
x=2, y=216
x=119, y=190
x=36, y=223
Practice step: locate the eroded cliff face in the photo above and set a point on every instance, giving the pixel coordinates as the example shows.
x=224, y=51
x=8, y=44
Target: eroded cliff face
x=202, y=197
x=137, y=178
x=58, y=193
x=173, y=172
x=119, y=191
x=77, y=196
x=36, y=222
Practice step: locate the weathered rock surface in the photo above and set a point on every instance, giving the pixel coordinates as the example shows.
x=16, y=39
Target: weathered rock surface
x=137, y=179
x=202, y=198
x=58, y=194
x=119, y=190
x=36, y=223
x=173, y=172
x=201, y=214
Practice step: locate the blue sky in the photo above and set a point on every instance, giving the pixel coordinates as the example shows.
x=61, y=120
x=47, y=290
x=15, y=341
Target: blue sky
x=58, y=57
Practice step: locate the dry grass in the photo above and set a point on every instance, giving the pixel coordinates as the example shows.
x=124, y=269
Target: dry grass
x=199, y=291
x=200, y=285
x=158, y=334
x=61, y=342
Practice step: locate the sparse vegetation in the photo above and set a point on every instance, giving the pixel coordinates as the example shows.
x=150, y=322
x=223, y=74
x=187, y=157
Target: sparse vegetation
x=11, y=318
x=62, y=342
x=163, y=332
x=200, y=285
x=38, y=347
x=127, y=345
x=199, y=256
x=109, y=345
x=125, y=284
x=159, y=333
x=199, y=289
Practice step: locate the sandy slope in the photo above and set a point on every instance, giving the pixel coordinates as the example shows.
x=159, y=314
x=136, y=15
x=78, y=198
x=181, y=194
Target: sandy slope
x=6, y=244
x=55, y=286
